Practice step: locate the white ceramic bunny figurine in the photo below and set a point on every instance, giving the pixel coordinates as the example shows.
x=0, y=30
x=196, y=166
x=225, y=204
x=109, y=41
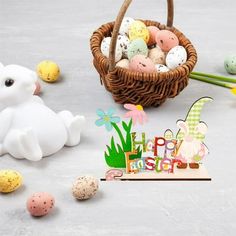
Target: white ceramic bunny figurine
x=28, y=128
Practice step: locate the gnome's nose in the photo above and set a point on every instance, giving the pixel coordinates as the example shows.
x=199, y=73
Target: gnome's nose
x=189, y=138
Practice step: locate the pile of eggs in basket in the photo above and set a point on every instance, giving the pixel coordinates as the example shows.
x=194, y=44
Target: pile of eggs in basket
x=142, y=48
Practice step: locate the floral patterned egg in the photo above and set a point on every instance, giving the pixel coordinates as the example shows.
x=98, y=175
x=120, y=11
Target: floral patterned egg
x=138, y=30
x=105, y=46
x=177, y=56
x=124, y=28
x=166, y=40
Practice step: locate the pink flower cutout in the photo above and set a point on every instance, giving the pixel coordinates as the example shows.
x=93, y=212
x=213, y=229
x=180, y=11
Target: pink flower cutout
x=136, y=113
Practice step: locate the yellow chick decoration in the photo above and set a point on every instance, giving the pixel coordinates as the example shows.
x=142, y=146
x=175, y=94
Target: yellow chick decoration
x=10, y=180
x=48, y=71
x=139, y=30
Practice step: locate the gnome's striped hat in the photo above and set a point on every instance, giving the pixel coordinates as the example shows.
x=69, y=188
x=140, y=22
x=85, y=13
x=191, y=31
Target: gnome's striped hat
x=193, y=119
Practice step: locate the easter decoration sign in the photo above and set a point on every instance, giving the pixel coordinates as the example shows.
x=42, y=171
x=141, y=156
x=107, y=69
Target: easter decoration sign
x=162, y=157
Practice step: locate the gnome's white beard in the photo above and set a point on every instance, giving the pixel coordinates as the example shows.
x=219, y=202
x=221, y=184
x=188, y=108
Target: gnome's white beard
x=189, y=149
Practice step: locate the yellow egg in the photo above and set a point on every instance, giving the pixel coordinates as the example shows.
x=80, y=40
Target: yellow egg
x=138, y=30
x=48, y=71
x=10, y=180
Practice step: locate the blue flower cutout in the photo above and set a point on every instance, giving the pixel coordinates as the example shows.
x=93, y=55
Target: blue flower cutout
x=107, y=118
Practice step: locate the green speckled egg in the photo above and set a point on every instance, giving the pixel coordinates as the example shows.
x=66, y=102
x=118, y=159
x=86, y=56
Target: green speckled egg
x=230, y=64
x=137, y=47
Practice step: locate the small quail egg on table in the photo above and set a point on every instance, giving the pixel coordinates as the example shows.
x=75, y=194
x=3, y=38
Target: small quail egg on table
x=105, y=46
x=141, y=63
x=125, y=24
x=137, y=47
x=138, y=30
x=85, y=187
x=157, y=55
x=48, y=71
x=10, y=180
x=230, y=64
x=166, y=40
x=40, y=204
x=177, y=56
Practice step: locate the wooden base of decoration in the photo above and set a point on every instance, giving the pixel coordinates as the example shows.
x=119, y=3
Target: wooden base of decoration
x=188, y=174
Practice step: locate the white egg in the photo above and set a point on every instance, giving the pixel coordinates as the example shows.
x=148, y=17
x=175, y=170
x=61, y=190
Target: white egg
x=124, y=42
x=126, y=22
x=105, y=46
x=124, y=63
x=161, y=68
x=177, y=56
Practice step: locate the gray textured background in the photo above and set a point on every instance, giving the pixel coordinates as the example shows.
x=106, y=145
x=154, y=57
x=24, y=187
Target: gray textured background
x=31, y=31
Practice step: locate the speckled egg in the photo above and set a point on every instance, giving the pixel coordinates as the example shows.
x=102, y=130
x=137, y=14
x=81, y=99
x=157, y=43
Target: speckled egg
x=124, y=63
x=10, y=180
x=152, y=35
x=141, y=63
x=177, y=56
x=48, y=71
x=137, y=47
x=124, y=42
x=230, y=64
x=157, y=55
x=161, y=68
x=85, y=187
x=105, y=46
x=138, y=30
x=166, y=40
x=40, y=204
x=125, y=24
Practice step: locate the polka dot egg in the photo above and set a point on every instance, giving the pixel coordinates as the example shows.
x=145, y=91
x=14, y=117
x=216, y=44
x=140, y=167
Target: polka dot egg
x=40, y=204
x=138, y=30
x=10, y=180
x=85, y=187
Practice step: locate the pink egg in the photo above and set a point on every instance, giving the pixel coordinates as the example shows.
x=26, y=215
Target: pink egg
x=141, y=63
x=152, y=32
x=40, y=204
x=37, y=89
x=166, y=40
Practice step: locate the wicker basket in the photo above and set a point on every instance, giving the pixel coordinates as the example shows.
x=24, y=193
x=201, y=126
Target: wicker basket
x=147, y=89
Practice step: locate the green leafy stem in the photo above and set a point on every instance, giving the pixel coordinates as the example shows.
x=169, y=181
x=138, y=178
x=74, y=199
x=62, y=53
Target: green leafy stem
x=115, y=154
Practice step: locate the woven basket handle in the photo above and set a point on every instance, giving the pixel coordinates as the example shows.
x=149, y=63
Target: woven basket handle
x=112, y=63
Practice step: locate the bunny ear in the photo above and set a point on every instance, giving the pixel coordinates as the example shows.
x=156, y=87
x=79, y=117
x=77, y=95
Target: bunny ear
x=183, y=126
x=1, y=65
x=201, y=128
